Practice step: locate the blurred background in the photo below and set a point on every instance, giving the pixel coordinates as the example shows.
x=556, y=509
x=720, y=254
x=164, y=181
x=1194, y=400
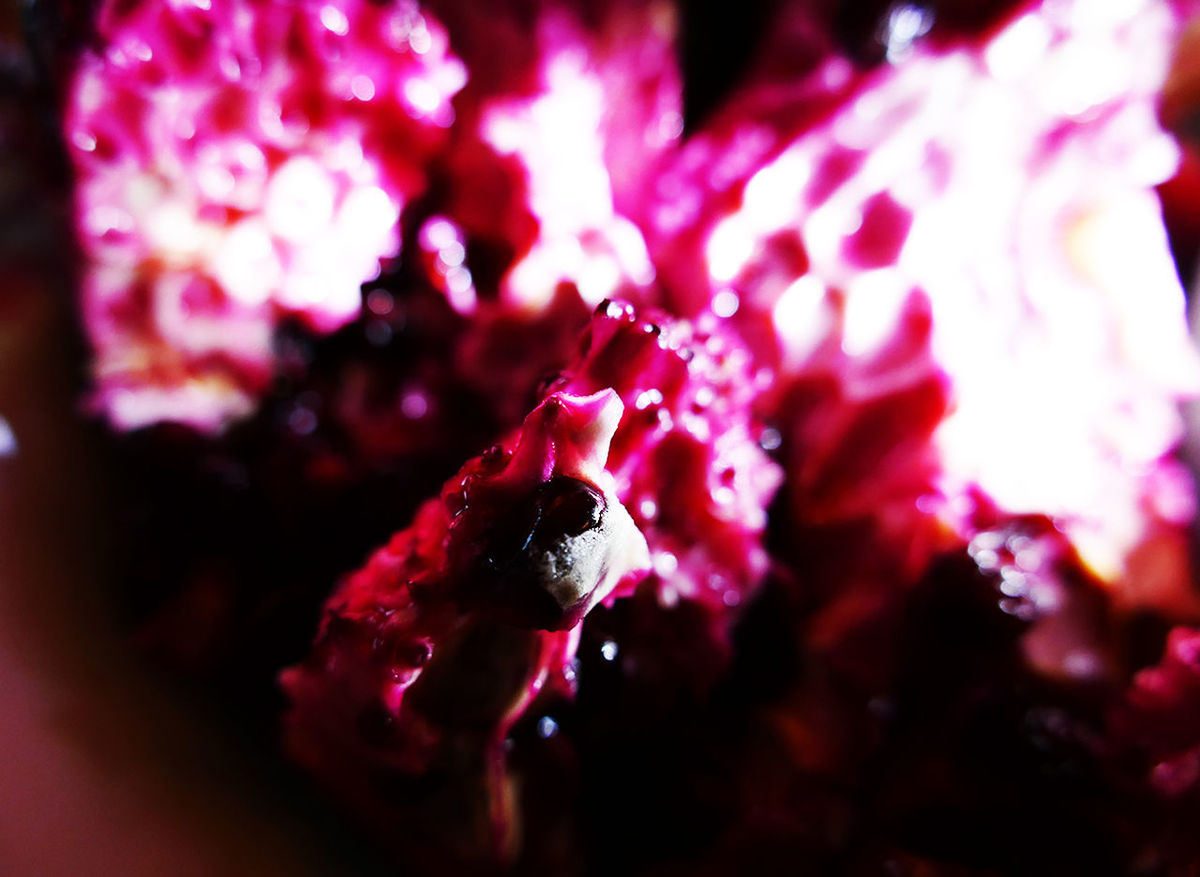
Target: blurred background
x=111, y=763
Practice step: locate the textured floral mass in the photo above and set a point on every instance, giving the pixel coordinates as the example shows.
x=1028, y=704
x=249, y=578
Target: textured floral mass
x=802, y=435
x=239, y=162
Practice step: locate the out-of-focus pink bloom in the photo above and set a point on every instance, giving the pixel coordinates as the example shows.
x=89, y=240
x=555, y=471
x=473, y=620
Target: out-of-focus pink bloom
x=1160, y=714
x=983, y=213
x=555, y=148
x=568, y=115
x=239, y=161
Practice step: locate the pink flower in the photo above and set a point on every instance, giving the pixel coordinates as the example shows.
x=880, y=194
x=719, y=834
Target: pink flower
x=239, y=162
x=977, y=216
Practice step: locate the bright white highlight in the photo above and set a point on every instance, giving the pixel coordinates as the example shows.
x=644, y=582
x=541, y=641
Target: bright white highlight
x=245, y=263
x=335, y=20
x=299, y=200
x=872, y=308
x=1018, y=49
x=557, y=135
x=1056, y=311
x=802, y=319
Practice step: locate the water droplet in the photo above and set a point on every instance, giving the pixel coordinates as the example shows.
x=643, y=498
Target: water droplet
x=420, y=39
x=665, y=564
x=547, y=727
x=1012, y=583
x=904, y=25
x=302, y=421
x=335, y=20
x=986, y=559
x=452, y=254
x=670, y=126
x=609, y=650
x=414, y=405
x=648, y=398
x=1082, y=665
x=83, y=140
x=8, y=439
x=1176, y=776
x=379, y=333
x=725, y=303
x=380, y=303
x=494, y=459
x=421, y=96
x=362, y=87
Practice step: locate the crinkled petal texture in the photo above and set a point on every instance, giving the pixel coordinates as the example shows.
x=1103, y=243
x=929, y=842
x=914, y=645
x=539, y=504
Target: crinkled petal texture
x=687, y=457
x=239, y=162
x=962, y=274
x=642, y=459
